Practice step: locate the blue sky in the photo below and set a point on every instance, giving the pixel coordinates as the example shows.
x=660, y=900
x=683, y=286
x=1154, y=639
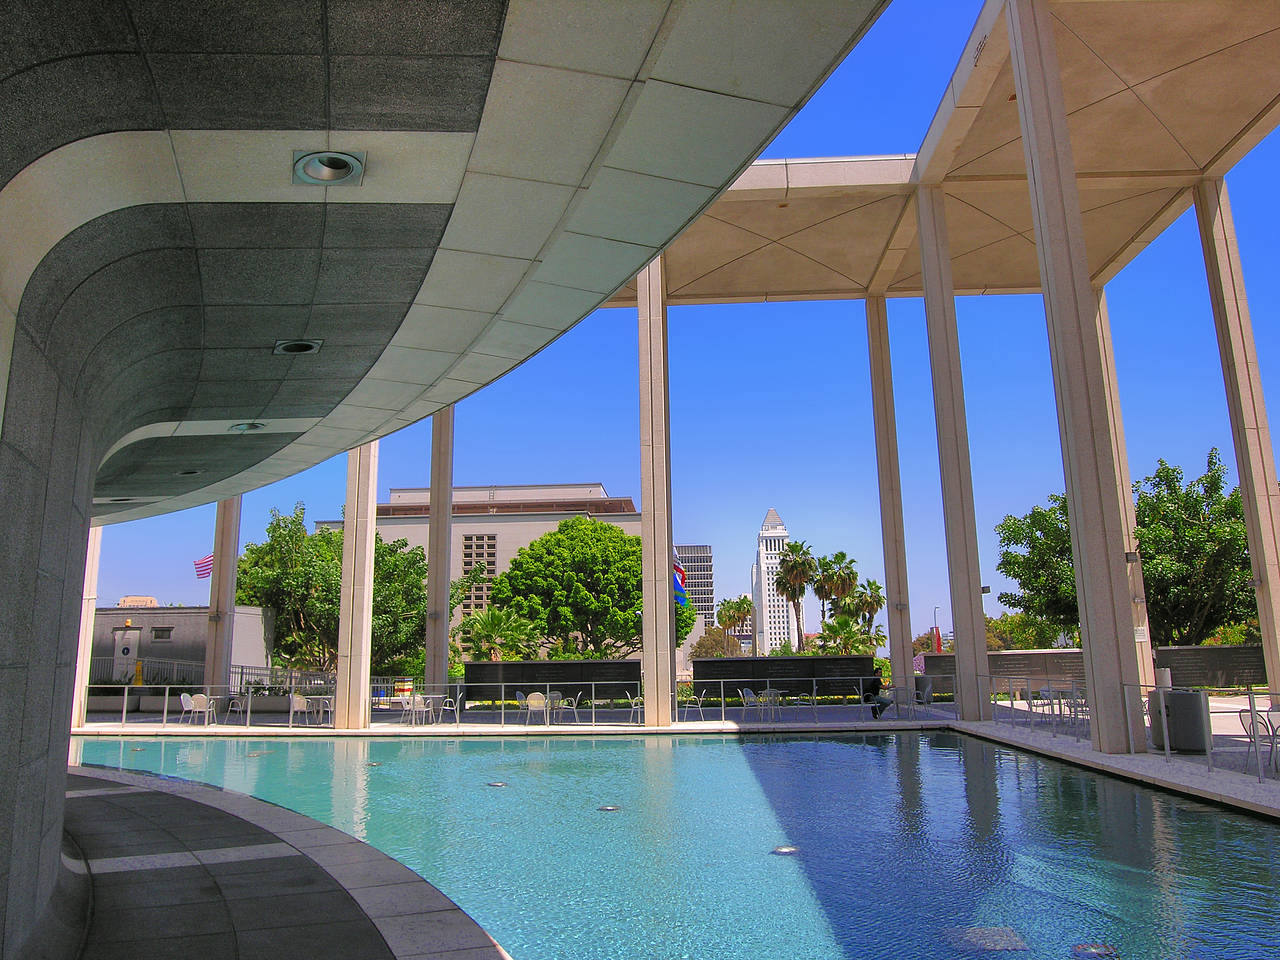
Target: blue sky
x=771, y=403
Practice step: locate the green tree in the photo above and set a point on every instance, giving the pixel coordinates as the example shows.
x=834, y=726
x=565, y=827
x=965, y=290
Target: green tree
x=846, y=635
x=580, y=586
x=299, y=577
x=1020, y=631
x=714, y=642
x=1195, y=556
x=1195, y=561
x=796, y=570
x=495, y=634
x=1035, y=552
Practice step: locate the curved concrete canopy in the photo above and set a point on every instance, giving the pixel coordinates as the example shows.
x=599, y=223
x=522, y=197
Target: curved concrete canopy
x=1158, y=94
x=524, y=159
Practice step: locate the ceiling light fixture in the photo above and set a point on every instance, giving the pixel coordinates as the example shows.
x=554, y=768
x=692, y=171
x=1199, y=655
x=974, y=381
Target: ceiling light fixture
x=247, y=427
x=293, y=348
x=328, y=168
x=188, y=473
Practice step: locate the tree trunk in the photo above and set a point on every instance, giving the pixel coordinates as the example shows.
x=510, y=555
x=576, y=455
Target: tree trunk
x=799, y=627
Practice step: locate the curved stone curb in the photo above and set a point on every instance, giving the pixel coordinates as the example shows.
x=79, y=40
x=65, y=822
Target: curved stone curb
x=416, y=920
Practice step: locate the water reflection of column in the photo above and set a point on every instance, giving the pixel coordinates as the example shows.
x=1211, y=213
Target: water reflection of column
x=657, y=783
x=910, y=789
x=350, y=784
x=982, y=800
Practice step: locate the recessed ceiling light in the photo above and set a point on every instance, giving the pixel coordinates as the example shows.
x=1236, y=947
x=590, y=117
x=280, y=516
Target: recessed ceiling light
x=295, y=348
x=121, y=500
x=187, y=473
x=328, y=168
x=246, y=427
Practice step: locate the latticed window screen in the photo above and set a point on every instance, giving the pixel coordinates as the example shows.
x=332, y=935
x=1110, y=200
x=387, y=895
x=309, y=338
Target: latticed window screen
x=478, y=548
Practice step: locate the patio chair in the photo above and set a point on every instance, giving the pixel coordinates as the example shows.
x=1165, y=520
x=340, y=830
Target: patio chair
x=695, y=703
x=188, y=708
x=637, y=708
x=751, y=702
x=536, y=702
x=406, y=707
x=235, y=703
x=1258, y=731
x=522, y=705
x=567, y=705
x=202, y=705
x=452, y=705
x=298, y=704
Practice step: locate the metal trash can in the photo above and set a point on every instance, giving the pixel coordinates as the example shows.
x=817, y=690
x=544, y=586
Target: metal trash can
x=1186, y=712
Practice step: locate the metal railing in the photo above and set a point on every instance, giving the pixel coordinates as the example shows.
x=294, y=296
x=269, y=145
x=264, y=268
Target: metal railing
x=269, y=696
x=1230, y=731
x=154, y=670
x=1059, y=705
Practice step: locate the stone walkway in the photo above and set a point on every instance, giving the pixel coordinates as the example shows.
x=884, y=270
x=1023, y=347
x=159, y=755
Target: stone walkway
x=185, y=871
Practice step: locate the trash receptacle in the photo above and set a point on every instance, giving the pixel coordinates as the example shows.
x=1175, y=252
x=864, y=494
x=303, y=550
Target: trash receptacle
x=1185, y=710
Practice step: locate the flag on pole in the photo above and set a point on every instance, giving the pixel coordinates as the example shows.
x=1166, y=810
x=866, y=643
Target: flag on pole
x=677, y=579
x=204, y=567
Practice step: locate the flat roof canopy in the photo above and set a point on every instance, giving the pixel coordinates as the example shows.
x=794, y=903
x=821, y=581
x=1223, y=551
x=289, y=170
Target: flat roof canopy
x=523, y=158
x=1159, y=94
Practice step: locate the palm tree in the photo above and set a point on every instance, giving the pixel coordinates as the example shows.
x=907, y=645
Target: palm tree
x=492, y=634
x=733, y=613
x=869, y=601
x=824, y=584
x=843, y=634
x=796, y=570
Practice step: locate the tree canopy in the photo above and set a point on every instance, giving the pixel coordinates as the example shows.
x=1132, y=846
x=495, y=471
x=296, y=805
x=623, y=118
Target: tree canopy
x=1191, y=538
x=299, y=576
x=580, y=586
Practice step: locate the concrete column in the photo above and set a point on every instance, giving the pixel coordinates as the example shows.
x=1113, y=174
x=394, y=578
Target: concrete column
x=890, y=483
x=222, y=595
x=968, y=621
x=1255, y=460
x=355, y=615
x=1092, y=455
x=439, y=541
x=84, y=652
x=658, y=621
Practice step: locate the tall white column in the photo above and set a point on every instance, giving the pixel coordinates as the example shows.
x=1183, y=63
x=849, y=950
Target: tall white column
x=1250, y=430
x=439, y=542
x=968, y=622
x=84, y=652
x=890, y=483
x=658, y=623
x=355, y=613
x=1092, y=454
x=222, y=595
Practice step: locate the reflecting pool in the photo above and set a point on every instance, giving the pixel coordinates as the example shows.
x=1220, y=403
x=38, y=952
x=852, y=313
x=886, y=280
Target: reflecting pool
x=928, y=845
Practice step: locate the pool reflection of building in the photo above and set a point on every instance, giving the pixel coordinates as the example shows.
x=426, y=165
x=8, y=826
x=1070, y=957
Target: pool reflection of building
x=161, y=305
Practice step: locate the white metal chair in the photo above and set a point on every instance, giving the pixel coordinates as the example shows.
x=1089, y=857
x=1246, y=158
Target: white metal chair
x=235, y=703
x=452, y=705
x=298, y=704
x=637, y=708
x=751, y=702
x=188, y=708
x=695, y=703
x=202, y=705
x=567, y=705
x=522, y=706
x=536, y=703
x=1258, y=731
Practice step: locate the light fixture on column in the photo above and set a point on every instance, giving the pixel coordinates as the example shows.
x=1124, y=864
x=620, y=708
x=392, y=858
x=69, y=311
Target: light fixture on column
x=986, y=589
x=1131, y=556
x=899, y=606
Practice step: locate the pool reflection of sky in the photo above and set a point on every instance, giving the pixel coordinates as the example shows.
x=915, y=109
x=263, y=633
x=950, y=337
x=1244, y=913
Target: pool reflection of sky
x=907, y=845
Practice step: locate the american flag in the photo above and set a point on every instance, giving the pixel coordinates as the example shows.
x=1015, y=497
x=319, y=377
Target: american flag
x=204, y=567
x=677, y=579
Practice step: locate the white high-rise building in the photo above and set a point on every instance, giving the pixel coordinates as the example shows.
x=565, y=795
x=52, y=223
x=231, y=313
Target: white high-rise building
x=775, y=621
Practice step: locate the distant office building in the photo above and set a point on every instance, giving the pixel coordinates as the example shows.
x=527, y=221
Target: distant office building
x=699, y=580
x=775, y=623
x=490, y=524
x=134, y=602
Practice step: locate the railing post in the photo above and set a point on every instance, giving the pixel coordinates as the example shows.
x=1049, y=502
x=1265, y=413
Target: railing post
x=722, y=705
x=164, y=717
x=1164, y=722
x=124, y=704
x=593, y=703
x=1128, y=728
x=1208, y=729
x=248, y=700
x=502, y=704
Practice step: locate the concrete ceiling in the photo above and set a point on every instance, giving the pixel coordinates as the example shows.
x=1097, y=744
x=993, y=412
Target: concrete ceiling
x=1158, y=94
x=524, y=159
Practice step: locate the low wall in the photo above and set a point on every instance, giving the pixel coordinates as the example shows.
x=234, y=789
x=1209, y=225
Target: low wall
x=834, y=676
x=1190, y=666
x=612, y=678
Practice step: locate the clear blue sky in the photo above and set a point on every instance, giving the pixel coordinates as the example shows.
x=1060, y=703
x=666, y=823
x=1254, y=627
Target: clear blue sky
x=771, y=403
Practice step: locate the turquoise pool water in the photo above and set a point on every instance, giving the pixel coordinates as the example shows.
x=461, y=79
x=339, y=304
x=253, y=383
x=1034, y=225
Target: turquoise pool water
x=912, y=845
